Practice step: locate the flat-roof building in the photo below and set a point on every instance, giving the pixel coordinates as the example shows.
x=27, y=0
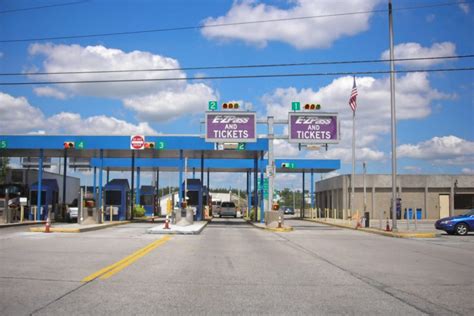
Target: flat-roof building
x=428, y=196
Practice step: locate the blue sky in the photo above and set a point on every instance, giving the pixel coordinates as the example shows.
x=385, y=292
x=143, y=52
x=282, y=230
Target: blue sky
x=435, y=110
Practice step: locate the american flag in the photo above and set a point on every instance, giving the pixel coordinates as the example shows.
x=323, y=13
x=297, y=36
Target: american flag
x=353, y=98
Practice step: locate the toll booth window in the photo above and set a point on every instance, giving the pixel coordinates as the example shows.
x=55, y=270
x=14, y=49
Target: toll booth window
x=193, y=197
x=113, y=198
x=34, y=197
x=17, y=176
x=463, y=201
x=146, y=200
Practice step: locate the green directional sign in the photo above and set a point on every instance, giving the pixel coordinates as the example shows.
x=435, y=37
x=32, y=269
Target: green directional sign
x=212, y=105
x=160, y=145
x=3, y=144
x=289, y=165
x=81, y=145
x=295, y=106
x=241, y=146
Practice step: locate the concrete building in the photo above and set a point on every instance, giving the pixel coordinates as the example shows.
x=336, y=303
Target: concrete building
x=434, y=196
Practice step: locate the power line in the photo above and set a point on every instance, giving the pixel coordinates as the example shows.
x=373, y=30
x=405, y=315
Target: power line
x=238, y=66
x=44, y=6
x=348, y=73
x=198, y=27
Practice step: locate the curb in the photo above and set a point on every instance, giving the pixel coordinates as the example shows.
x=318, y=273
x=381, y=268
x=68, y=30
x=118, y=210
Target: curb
x=379, y=232
x=278, y=230
x=22, y=224
x=76, y=230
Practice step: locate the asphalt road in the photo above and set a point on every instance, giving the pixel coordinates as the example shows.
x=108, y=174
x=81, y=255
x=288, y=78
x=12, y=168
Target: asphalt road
x=234, y=268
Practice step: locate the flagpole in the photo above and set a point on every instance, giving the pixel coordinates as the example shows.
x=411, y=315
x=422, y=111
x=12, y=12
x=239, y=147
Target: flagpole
x=353, y=164
x=393, y=121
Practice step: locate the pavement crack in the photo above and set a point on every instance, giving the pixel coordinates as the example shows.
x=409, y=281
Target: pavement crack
x=409, y=299
x=59, y=298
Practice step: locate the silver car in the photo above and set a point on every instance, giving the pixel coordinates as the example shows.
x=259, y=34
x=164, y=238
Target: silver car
x=227, y=209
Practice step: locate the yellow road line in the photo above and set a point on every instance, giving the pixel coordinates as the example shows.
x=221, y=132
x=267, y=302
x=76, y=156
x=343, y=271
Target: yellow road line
x=112, y=269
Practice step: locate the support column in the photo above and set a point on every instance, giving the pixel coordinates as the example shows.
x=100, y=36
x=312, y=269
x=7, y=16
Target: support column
x=108, y=174
x=249, y=200
x=451, y=199
x=303, y=201
x=180, y=178
x=137, y=197
x=255, y=187
x=40, y=185
x=201, y=214
x=157, y=189
x=208, y=188
x=312, y=189
x=100, y=178
x=262, y=201
x=64, y=176
x=94, y=184
x=194, y=173
x=132, y=192
x=425, y=204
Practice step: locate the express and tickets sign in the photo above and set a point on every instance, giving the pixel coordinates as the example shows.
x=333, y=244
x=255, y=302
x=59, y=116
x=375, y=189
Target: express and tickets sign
x=317, y=128
x=233, y=127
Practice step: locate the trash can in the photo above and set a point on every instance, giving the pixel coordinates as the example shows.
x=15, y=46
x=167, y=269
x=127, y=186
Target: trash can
x=367, y=219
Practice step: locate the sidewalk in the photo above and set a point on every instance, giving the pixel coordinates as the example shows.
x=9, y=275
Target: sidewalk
x=424, y=229
x=76, y=228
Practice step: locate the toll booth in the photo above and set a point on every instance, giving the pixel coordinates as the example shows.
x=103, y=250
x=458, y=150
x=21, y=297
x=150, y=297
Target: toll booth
x=147, y=199
x=49, y=196
x=117, y=199
x=197, y=197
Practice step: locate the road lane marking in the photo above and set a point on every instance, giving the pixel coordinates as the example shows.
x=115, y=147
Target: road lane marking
x=114, y=268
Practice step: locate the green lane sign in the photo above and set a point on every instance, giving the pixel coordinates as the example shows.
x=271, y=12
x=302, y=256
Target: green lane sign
x=241, y=146
x=289, y=165
x=212, y=105
x=3, y=144
x=81, y=145
x=295, y=106
x=161, y=145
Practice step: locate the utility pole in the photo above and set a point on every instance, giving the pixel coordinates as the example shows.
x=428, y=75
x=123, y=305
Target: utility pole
x=393, y=121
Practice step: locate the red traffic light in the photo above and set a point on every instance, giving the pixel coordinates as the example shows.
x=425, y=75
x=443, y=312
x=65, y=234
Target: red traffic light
x=150, y=145
x=224, y=106
x=230, y=106
x=68, y=145
x=312, y=106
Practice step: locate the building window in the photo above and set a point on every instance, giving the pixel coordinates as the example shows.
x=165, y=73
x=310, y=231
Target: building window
x=463, y=201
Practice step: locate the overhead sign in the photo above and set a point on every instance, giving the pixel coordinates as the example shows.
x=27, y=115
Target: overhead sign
x=212, y=106
x=137, y=142
x=238, y=127
x=3, y=144
x=295, y=106
x=313, y=128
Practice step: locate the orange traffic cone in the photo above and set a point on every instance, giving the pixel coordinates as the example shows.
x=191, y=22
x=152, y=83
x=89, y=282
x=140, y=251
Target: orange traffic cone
x=387, y=227
x=167, y=223
x=47, y=226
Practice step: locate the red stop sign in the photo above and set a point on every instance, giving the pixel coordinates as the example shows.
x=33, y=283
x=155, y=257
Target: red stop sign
x=137, y=142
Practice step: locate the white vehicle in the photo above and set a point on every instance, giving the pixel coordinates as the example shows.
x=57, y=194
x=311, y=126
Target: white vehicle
x=227, y=209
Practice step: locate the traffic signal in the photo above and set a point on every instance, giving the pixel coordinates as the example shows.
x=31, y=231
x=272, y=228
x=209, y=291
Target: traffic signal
x=150, y=145
x=69, y=145
x=312, y=106
x=230, y=106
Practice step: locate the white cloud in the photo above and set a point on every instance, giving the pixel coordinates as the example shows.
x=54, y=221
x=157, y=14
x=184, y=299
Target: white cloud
x=413, y=169
x=303, y=33
x=415, y=50
x=283, y=149
x=152, y=100
x=18, y=116
x=464, y=7
x=414, y=99
x=50, y=92
x=450, y=150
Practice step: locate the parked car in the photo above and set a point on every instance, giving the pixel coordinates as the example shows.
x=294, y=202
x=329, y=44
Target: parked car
x=227, y=209
x=461, y=224
x=288, y=210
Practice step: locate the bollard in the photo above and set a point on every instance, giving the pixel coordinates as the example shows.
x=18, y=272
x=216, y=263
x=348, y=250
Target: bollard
x=279, y=221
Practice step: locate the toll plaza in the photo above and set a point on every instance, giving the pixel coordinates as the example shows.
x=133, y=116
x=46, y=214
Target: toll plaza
x=159, y=154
